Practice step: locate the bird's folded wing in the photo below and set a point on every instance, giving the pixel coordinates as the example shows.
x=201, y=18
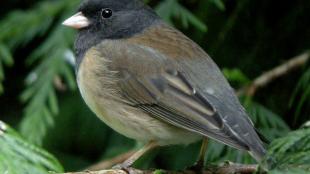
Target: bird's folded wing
x=170, y=97
x=165, y=74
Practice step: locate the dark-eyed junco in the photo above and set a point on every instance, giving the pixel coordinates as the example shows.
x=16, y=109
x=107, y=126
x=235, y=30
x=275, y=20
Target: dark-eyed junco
x=150, y=82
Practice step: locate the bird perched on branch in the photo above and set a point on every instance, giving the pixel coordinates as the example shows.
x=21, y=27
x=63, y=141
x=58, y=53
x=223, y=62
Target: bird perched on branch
x=148, y=81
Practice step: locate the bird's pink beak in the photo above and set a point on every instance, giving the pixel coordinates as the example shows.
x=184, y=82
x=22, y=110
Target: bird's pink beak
x=77, y=21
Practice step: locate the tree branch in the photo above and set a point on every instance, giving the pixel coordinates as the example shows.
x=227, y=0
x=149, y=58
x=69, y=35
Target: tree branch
x=275, y=73
x=226, y=168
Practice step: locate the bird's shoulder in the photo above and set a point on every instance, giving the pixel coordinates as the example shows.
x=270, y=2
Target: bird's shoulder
x=169, y=41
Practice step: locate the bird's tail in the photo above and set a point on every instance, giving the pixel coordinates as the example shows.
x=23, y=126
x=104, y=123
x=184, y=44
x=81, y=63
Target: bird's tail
x=259, y=153
x=266, y=161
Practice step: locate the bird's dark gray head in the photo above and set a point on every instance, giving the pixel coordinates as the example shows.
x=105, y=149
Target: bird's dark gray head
x=98, y=20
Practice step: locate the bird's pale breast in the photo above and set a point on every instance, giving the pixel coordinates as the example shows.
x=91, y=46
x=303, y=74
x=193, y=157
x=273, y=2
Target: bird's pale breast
x=96, y=83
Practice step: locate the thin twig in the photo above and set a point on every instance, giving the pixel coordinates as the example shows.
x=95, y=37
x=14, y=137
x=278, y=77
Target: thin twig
x=275, y=73
x=227, y=168
x=236, y=168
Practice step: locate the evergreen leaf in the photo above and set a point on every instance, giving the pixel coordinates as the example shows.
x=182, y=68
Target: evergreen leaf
x=40, y=95
x=219, y=4
x=236, y=75
x=303, y=88
x=18, y=156
x=42, y=103
x=5, y=59
x=5, y=55
x=267, y=121
x=169, y=9
x=291, y=152
x=31, y=24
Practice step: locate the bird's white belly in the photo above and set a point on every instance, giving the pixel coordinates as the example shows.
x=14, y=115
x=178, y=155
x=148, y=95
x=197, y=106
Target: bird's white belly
x=127, y=120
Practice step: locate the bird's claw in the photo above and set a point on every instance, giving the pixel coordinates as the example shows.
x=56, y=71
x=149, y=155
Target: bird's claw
x=128, y=169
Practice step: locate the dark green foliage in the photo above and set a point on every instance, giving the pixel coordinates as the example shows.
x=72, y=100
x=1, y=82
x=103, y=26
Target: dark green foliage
x=236, y=77
x=270, y=124
x=293, y=149
x=171, y=8
x=40, y=93
x=5, y=59
x=303, y=89
x=292, y=152
x=18, y=156
x=244, y=37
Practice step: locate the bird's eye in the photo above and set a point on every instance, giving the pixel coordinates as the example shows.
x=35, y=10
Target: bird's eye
x=106, y=13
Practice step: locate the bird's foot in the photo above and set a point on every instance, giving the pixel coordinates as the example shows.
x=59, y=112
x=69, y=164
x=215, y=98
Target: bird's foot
x=125, y=167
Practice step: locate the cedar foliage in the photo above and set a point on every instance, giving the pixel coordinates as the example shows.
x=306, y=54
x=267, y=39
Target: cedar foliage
x=39, y=96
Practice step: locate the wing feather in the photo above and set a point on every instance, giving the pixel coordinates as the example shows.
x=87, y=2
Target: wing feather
x=176, y=105
x=189, y=93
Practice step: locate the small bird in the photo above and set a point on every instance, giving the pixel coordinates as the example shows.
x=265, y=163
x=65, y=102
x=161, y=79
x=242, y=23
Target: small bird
x=149, y=82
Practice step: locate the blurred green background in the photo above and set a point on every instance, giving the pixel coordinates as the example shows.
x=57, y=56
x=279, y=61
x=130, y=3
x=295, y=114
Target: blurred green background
x=40, y=100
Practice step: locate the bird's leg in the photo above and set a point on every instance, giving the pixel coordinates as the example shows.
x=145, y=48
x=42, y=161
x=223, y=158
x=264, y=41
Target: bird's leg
x=199, y=165
x=203, y=151
x=129, y=162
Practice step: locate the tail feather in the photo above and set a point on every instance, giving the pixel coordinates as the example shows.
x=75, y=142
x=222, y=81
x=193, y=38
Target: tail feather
x=266, y=161
x=258, y=152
